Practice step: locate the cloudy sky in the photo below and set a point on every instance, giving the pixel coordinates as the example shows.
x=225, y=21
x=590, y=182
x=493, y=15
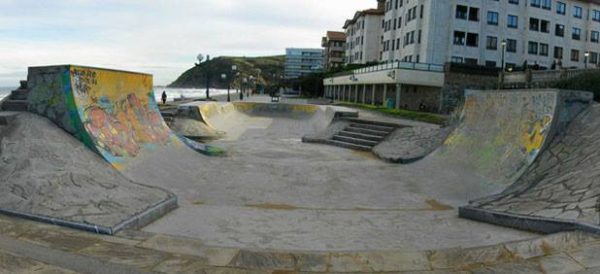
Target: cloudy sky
x=161, y=37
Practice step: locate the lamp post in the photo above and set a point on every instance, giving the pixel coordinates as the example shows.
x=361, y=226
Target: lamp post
x=585, y=58
x=503, y=51
x=224, y=77
x=233, y=69
x=200, y=57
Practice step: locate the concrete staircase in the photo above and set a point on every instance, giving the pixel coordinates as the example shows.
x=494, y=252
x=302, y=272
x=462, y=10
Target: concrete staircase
x=362, y=134
x=17, y=100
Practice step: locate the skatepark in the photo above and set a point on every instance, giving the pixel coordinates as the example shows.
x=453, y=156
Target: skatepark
x=93, y=153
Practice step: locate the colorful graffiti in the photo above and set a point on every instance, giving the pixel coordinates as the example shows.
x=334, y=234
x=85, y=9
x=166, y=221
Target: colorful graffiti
x=501, y=133
x=112, y=112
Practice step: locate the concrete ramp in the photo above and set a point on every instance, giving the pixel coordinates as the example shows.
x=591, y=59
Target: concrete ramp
x=113, y=113
x=501, y=133
x=559, y=191
x=213, y=119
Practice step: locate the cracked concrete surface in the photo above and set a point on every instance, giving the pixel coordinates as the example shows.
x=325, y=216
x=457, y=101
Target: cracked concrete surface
x=45, y=171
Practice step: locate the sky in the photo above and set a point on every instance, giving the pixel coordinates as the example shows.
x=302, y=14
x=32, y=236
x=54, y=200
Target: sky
x=161, y=37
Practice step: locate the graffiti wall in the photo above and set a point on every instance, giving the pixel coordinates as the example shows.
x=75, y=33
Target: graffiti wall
x=501, y=133
x=112, y=112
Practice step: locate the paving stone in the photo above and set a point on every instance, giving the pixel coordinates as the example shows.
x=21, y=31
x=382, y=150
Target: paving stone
x=588, y=256
x=180, y=265
x=459, y=258
x=379, y=262
x=212, y=255
x=523, y=267
x=558, y=264
x=120, y=254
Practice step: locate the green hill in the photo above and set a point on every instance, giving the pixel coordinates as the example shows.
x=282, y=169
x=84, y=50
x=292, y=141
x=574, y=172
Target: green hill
x=267, y=69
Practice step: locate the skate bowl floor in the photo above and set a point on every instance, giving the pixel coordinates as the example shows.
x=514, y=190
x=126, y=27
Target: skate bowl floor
x=272, y=191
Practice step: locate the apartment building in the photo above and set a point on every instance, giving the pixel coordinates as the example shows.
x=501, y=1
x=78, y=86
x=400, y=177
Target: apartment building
x=334, y=49
x=302, y=61
x=542, y=32
x=363, y=32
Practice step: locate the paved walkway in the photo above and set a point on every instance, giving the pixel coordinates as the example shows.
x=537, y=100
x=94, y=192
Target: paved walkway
x=28, y=247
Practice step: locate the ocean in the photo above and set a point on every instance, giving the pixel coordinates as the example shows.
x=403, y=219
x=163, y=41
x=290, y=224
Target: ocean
x=172, y=93
x=5, y=91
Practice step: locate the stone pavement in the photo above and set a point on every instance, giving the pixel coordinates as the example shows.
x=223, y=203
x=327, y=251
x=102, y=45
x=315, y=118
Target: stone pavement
x=27, y=247
x=409, y=144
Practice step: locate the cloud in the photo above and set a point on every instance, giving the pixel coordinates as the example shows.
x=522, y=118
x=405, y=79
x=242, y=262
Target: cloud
x=161, y=37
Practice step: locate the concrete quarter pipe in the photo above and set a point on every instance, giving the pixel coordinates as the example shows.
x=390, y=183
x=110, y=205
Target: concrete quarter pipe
x=114, y=113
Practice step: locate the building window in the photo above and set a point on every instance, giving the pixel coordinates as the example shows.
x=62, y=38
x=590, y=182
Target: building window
x=491, y=64
x=516, y=2
x=561, y=8
x=492, y=18
x=596, y=15
x=543, y=49
x=576, y=35
x=472, y=39
x=459, y=37
x=456, y=59
x=474, y=14
x=536, y=3
x=534, y=24
x=575, y=55
x=471, y=61
x=559, y=30
x=547, y=4
x=558, y=52
x=577, y=12
x=532, y=48
x=594, y=58
x=511, y=45
x=545, y=26
x=513, y=21
x=595, y=37
x=491, y=43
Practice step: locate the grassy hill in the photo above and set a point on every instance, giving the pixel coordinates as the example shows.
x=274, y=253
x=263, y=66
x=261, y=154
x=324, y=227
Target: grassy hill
x=271, y=68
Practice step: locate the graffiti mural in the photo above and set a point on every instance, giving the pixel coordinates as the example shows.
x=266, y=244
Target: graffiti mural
x=112, y=112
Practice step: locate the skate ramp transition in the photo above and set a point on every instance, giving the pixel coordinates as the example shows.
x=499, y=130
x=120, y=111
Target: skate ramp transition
x=198, y=119
x=500, y=134
x=113, y=113
x=543, y=146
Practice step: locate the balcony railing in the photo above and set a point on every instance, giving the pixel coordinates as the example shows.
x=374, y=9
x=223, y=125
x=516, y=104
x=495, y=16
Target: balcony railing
x=394, y=65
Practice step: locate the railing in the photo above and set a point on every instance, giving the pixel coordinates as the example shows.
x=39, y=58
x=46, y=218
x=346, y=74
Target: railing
x=542, y=75
x=394, y=65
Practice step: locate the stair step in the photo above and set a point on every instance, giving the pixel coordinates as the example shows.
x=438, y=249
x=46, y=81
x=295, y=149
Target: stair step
x=19, y=94
x=357, y=141
x=361, y=135
x=371, y=122
x=373, y=127
x=6, y=117
x=15, y=105
x=349, y=145
x=366, y=131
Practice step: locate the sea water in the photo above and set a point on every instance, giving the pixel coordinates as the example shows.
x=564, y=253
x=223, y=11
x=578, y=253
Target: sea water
x=186, y=93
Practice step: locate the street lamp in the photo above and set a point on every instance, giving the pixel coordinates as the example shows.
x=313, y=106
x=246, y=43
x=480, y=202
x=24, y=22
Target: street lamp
x=233, y=69
x=224, y=77
x=585, y=59
x=503, y=51
x=200, y=57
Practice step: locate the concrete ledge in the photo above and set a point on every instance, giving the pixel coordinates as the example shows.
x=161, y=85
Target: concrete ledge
x=530, y=223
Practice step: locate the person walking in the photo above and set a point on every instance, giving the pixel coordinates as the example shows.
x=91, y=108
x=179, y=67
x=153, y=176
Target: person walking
x=164, y=97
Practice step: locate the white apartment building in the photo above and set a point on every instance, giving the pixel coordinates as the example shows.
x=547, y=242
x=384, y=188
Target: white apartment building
x=542, y=32
x=363, y=34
